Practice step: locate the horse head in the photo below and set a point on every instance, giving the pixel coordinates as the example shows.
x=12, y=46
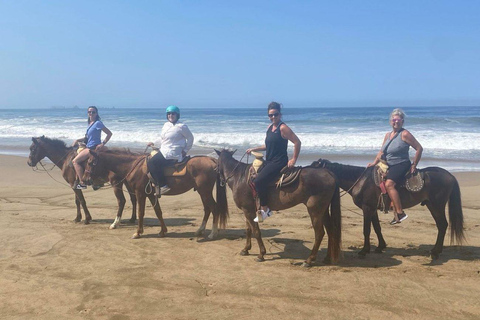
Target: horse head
x=320, y=163
x=37, y=151
x=95, y=172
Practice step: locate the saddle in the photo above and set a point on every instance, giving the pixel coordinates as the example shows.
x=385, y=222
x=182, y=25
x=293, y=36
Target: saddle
x=286, y=178
x=413, y=182
x=173, y=168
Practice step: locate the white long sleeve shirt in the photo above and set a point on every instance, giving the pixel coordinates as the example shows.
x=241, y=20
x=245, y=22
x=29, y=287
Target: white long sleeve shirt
x=174, y=139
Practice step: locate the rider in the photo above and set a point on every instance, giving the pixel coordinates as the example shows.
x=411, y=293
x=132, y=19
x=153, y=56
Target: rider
x=92, y=140
x=176, y=140
x=276, y=141
x=397, y=143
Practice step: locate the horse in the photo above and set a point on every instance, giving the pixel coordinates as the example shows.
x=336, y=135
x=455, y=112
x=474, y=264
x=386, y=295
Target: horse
x=200, y=175
x=440, y=187
x=316, y=188
x=57, y=151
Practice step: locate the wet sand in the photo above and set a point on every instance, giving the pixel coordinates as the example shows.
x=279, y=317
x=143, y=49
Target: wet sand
x=52, y=267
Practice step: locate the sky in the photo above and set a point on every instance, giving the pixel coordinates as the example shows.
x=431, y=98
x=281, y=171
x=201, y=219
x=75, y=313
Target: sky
x=132, y=54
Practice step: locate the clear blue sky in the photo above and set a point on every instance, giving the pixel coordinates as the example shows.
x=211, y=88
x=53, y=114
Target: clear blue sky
x=239, y=53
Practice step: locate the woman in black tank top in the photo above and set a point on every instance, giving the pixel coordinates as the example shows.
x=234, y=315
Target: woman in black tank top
x=276, y=141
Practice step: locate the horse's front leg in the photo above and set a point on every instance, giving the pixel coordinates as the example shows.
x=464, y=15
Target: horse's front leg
x=159, y=214
x=248, y=243
x=81, y=199
x=208, y=207
x=378, y=230
x=255, y=229
x=141, y=213
x=78, y=218
x=133, y=199
x=117, y=190
x=367, y=230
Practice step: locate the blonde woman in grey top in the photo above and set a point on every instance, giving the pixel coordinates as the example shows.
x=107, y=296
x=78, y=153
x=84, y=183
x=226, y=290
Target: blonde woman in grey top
x=395, y=151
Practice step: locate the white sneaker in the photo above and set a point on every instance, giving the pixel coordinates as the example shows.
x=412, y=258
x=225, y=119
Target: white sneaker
x=262, y=215
x=164, y=189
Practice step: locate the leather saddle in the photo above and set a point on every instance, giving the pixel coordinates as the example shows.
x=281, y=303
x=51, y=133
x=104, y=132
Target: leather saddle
x=173, y=168
x=286, y=178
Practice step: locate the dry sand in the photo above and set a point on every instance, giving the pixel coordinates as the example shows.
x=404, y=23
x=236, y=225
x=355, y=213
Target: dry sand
x=53, y=268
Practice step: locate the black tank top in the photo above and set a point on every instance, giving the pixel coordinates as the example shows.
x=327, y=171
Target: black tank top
x=276, y=145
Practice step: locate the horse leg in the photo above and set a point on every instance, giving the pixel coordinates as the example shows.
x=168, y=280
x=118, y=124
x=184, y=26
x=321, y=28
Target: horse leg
x=141, y=213
x=248, y=244
x=81, y=199
x=159, y=214
x=367, y=230
x=78, y=218
x=317, y=224
x=208, y=207
x=438, y=214
x=117, y=190
x=258, y=235
x=378, y=230
x=133, y=199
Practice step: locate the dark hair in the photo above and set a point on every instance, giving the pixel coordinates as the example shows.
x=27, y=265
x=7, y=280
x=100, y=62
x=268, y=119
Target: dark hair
x=275, y=105
x=98, y=116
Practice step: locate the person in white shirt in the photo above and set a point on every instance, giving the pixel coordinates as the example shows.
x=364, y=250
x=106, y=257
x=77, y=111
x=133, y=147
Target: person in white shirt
x=176, y=140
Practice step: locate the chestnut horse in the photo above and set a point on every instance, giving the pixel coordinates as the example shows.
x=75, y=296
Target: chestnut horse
x=440, y=187
x=316, y=188
x=62, y=156
x=132, y=167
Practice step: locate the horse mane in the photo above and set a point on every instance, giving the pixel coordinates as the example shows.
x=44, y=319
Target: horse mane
x=56, y=143
x=342, y=171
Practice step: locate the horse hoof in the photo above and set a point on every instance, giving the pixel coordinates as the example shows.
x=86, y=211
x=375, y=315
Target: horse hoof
x=112, y=226
x=161, y=234
x=305, y=264
x=362, y=254
x=135, y=236
x=434, y=256
x=259, y=259
x=86, y=222
x=244, y=253
x=378, y=250
x=77, y=220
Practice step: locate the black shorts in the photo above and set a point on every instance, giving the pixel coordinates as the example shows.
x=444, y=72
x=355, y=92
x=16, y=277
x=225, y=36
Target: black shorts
x=397, y=172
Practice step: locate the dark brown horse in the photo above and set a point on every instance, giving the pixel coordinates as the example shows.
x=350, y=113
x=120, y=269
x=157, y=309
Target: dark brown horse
x=132, y=167
x=440, y=187
x=316, y=188
x=62, y=156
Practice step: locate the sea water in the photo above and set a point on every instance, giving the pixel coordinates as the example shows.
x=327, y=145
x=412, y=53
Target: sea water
x=450, y=136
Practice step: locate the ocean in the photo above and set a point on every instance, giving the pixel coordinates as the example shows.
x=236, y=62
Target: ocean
x=450, y=136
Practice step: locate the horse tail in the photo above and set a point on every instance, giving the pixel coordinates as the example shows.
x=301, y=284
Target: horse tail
x=336, y=223
x=222, y=206
x=455, y=214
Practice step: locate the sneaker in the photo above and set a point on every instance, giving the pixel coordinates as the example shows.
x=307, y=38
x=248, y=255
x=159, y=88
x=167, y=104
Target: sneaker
x=80, y=186
x=164, y=189
x=401, y=217
x=262, y=215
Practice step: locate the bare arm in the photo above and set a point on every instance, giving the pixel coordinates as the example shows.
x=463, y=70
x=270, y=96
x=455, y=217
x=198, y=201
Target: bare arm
x=260, y=148
x=410, y=139
x=104, y=142
x=379, y=154
x=287, y=133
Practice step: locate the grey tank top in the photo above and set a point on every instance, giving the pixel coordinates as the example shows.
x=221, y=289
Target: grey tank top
x=397, y=151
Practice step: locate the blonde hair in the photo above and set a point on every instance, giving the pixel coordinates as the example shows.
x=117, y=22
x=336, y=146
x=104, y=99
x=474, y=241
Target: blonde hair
x=398, y=112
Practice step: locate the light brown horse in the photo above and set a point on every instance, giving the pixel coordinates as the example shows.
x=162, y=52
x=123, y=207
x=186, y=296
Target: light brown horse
x=200, y=174
x=62, y=156
x=440, y=187
x=316, y=188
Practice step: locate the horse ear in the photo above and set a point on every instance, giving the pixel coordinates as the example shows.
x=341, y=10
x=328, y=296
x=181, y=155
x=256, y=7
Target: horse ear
x=218, y=152
x=34, y=140
x=234, y=151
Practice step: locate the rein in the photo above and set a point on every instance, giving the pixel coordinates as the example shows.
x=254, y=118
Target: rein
x=232, y=173
x=324, y=165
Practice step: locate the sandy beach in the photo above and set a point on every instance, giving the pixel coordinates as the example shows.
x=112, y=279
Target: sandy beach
x=53, y=268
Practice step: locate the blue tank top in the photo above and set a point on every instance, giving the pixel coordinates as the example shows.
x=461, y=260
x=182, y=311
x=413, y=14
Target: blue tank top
x=276, y=145
x=397, y=151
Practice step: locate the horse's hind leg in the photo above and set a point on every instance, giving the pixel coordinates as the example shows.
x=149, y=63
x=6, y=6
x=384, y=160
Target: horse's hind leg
x=78, y=218
x=208, y=207
x=117, y=190
x=133, y=199
x=141, y=213
x=248, y=243
x=317, y=224
x=438, y=213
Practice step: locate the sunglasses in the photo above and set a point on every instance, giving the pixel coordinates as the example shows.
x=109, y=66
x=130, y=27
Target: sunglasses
x=271, y=115
x=171, y=113
x=397, y=120
x=92, y=112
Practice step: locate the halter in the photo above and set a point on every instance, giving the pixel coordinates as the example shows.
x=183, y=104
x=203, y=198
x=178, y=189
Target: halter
x=223, y=182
